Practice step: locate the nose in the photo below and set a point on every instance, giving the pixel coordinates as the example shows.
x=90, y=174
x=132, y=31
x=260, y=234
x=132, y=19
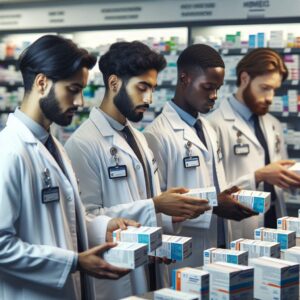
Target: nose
x=78, y=101
x=213, y=95
x=270, y=96
x=147, y=97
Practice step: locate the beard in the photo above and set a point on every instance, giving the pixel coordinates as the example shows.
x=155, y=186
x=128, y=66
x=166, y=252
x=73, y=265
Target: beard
x=125, y=105
x=251, y=102
x=52, y=111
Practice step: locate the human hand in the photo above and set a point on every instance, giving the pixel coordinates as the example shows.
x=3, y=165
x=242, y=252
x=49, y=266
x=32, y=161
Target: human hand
x=117, y=223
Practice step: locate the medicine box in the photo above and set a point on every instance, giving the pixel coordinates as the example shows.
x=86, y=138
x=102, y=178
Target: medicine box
x=175, y=247
x=208, y=193
x=256, y=200
x=231, y=256
x=169, y=294
x=275, y=278
x=191, y=280
x=152, y=236
x=295, y=168
x=286, y=238
x=289, y=223
x=127, y=255
x=257, y=248
x=230, y=281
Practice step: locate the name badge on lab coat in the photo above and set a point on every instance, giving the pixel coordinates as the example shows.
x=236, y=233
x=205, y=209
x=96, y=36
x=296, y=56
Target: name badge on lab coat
x=241, y=149
x=50, y=194
x=116, y=172
x=191, y=162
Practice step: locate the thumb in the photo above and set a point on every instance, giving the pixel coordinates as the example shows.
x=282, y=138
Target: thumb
x=287, y=162
x=102, y=248
x=232, y=190
x=178, y=190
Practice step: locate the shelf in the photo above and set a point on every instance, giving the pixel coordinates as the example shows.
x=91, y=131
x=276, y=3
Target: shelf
x=285, y=84
x=243, y=51
x=292, y=152
x=11, y=84
x=293, y=115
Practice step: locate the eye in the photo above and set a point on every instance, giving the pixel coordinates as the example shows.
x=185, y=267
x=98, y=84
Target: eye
x=74, y=90
x=142, y=88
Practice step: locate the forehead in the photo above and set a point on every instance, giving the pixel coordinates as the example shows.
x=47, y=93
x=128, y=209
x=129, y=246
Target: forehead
x=149, y=77
x=272, y=79
x=213, y=75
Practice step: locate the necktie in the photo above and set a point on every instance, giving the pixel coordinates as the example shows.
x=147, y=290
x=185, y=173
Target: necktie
x=50, y=145
x=270, y=216
x=200, y=133
x=134, y=146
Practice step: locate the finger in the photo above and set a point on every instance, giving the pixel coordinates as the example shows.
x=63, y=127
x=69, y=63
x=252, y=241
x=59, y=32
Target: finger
x=246, y=210
x=129, y=222
x=178, y=219
x=109, y=275
x=193, y=200
x=111, y=268
x=178, y=190
x=292, y=175
x=121, y=224
x=283, y=185
x=102, y=248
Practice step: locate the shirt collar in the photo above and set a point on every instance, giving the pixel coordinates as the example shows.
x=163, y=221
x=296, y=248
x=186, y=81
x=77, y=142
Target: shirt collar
x=38, y=131
x=112, y=122
x=186, y=117
x=240, y=108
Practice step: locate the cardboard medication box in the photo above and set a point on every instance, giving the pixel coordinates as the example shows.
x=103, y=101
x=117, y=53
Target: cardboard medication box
x=257, y=248
x=208, y=193
x=231, y=256
x=133, y=298
x=191, y=280
x=275, y=278
x=152, y=236
x=169, y=294
x=286, y=238
x=229, y=281
x=295, y=168
x=289, y=223
x=127, y=255
x=256, y=200
x=175, y=247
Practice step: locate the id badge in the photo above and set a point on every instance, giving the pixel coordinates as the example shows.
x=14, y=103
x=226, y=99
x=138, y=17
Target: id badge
x=191, y=162
x=241, y=149
x=220, y=154
x=117, y=172
x=50, y=194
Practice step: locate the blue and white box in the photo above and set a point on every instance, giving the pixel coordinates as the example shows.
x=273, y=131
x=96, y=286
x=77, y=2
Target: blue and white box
x=285, y=238
x=170, y=294
x=213, y=255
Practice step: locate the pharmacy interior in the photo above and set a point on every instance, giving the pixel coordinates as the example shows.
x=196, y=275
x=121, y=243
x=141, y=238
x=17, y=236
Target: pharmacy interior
x=263, y=264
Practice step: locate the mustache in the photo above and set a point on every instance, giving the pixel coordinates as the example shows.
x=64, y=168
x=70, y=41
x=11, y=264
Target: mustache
x=71, y=109
x=142, y=106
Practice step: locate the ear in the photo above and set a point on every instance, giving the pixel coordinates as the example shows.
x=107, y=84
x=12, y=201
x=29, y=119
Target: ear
x=42, y=84
x=245, y=79
x=184, y=79
x=114, y=83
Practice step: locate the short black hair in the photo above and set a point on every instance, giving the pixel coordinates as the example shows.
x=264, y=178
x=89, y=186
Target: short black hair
x=199, y=56
x=56, y=57
x=129, y=59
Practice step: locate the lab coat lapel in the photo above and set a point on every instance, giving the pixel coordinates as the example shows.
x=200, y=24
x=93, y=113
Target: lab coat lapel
x=238, y=123
x=109, y=133
x=179, y=125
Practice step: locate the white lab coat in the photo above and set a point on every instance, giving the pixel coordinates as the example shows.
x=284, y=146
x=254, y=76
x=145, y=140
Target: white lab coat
x=37, y=241
x=241, y=168
x=89, y=149
x=167, y=136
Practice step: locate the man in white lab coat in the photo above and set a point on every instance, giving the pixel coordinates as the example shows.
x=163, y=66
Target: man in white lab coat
x=252, y=140
x=43, y=235
x=186, y=147
x=117, y=171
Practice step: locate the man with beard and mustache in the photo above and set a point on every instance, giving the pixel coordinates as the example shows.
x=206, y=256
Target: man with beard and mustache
x=187, y=151
x=117, y=171
x=252, y=140
x=43, y=229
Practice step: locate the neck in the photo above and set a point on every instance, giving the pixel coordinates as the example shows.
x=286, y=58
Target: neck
x=30, y=106
x=179, y=101
x=239, y=95
x=108, y=106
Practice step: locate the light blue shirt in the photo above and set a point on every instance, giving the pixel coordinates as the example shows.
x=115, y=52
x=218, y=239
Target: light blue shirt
x=186, y=117
x=243, y=110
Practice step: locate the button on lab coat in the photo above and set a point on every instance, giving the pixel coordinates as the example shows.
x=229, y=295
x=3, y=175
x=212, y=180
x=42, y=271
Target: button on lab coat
x=168, y=136
x=241, y=168
x=37, y=240
x=90, y=151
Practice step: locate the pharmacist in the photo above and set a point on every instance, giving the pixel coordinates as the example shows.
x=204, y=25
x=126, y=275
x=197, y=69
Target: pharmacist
x=187, y=150
x=42, y=224
x=252, y=140
x=117, y=171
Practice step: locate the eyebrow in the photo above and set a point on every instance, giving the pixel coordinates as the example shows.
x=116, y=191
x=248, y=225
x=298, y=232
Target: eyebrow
x=148, y=84
x=77, y=84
